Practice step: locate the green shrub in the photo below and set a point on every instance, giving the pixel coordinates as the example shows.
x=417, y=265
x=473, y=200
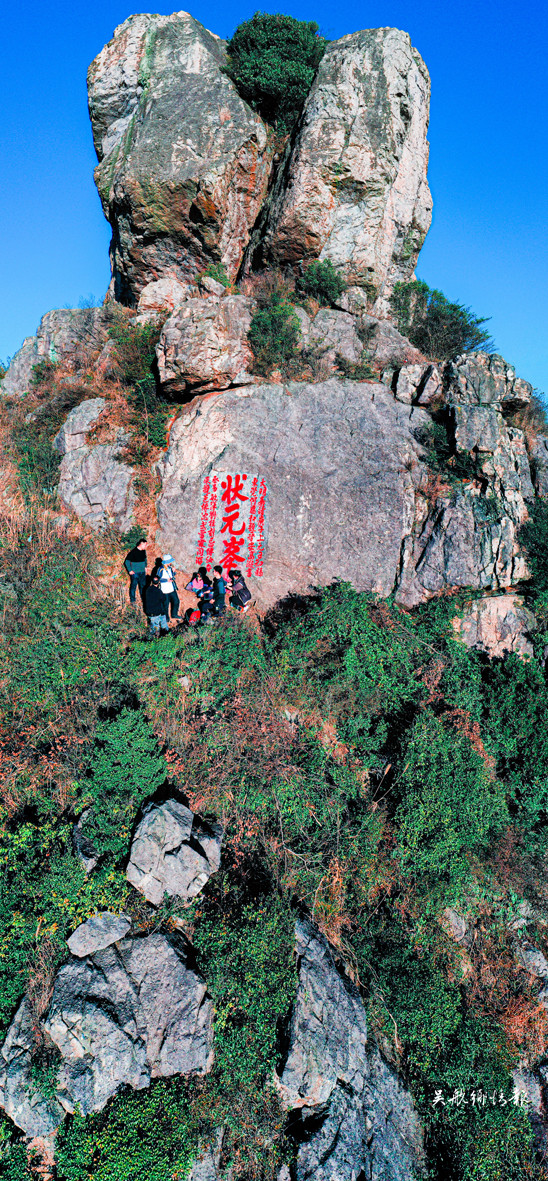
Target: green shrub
x=534, y=538
x=515, y=701
x=274, y=335
x=136, y=359
x=356, y=370
x=43, y=372
x=451, y=805
x=126, y=766
x=321, y=281
x=140, y=1136
x=440, y=329
x=32, y=441
x=272, y=61
x=216, y=270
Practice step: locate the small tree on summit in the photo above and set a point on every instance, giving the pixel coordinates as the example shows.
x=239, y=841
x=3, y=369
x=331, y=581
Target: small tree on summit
x=272, y=60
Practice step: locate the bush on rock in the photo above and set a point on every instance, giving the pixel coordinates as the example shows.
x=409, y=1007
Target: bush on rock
x=274, y=335
x=440, y=329
x=322, y=282
x=272, y=61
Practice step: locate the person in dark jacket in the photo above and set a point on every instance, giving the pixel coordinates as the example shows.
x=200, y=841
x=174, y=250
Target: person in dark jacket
x=219, y=591
x=156, y=607
x=241, y=594
x=136, y=566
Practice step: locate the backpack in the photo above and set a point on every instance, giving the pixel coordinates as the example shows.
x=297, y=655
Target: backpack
x=243, y=592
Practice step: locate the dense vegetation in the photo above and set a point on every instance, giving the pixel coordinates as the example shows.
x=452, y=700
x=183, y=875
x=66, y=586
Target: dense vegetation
x=272, y=60
x=274, y=334
x=440, y=329
x=414, y=779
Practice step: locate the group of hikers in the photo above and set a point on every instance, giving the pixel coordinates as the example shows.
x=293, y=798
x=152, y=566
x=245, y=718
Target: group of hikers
x=160, y=598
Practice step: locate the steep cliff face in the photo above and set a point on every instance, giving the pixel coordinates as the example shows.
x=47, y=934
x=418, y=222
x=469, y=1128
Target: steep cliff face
x=184, y=163
x=354, y=189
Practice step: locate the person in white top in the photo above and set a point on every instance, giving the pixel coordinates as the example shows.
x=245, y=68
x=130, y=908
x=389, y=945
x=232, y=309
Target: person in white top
x=168, y=585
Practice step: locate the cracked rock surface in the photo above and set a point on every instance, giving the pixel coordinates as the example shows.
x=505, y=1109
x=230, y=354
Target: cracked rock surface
x=173, y=853
x=357, y=1119
x=340, y=459
x=354, y=189
x=184, y=163
x=92, y=480
x=123, y=1015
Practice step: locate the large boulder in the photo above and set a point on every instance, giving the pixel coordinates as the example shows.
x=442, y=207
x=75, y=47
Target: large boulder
x=173, y=853
x=93, y=481
x=71, y=337
x=339, y=464
x=184, y=163
x=356, y=1118
x=123, y=1015
x=203, y=345
x=354, y=190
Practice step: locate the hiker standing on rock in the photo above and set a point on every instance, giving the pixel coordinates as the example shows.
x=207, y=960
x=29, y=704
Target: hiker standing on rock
x=168, y=585
x=136, y=566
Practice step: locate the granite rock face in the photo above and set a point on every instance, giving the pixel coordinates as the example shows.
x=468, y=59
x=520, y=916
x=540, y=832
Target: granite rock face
x=483, y=379
x=72, y=337
x=92, y=481
x=341, y=463
x=356, y=1117
x=119, y=1017
x=172, y=853
x=184, y=163
x=203, y=345
x=354, y=189
x=497, y=625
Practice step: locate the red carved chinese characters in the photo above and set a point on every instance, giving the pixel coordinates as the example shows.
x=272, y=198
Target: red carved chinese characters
x=232, y=522
x=233, y=497
x=203, y=522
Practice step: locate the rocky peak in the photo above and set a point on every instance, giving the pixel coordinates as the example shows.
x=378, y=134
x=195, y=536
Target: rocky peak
x=187, y=170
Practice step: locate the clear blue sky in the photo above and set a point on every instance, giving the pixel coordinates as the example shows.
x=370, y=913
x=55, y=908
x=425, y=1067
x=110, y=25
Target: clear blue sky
x=488, y=159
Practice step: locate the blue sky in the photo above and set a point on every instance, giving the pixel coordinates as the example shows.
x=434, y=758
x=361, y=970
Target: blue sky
x=488, y=158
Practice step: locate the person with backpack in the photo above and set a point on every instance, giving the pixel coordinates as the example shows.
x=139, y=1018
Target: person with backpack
x=241, y=594
x=219, y=591
x=168, y=585
x=156, y=607
x=205, y=595
x=136, y=566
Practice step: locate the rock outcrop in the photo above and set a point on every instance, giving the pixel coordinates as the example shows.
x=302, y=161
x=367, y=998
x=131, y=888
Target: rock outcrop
x=497, y=625
x=72, y=337
x=349, y=1111
x=121, y=1016
x=173, y=853
x=203, y=345
x=348, y=492
x=184, y=163
x=92, y=479
x=98, y=932
x=354, y=189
